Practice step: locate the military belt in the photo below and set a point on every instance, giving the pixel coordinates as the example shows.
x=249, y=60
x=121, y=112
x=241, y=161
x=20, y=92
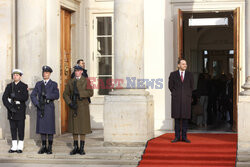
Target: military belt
x=48, y=101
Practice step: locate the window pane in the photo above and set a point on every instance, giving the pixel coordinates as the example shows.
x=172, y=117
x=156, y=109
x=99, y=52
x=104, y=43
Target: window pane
x=208, y=21
x=105, y=65
x=104, y=45
x=104, y=26
x=102, y=86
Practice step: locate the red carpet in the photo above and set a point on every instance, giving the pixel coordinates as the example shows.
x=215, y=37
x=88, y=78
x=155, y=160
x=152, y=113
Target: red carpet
x=205, y=150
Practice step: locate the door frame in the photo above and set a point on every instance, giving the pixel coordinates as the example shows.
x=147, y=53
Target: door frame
x=74, y=7
x=63, y=65
x=192, y=6
x=178, y=8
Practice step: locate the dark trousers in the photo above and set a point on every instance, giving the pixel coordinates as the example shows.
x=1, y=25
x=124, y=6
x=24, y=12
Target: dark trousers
x=17, y=127
x=181, y=125
x=45, y=136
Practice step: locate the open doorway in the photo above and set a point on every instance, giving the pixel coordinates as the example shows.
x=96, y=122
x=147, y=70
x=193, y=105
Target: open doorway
x=209, y=43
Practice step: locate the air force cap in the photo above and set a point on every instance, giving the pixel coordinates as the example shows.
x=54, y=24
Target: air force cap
x=47, y=69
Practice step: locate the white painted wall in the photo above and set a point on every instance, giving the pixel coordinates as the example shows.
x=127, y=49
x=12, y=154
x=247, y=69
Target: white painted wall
x=158, y=57
x=39, y=44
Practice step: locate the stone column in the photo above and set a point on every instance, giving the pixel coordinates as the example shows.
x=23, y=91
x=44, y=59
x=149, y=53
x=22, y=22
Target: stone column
x=246, y=86
x=31, y=50
x=128, y=112
x=244, y=103
x=129, y=38
x=7, y=55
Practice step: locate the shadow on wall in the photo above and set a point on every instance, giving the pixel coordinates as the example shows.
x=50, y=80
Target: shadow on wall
x=96, y=114
x=30, y=123
x=4, y=123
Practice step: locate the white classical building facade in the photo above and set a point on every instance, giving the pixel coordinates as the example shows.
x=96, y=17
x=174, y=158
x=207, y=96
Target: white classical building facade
x=117, y=39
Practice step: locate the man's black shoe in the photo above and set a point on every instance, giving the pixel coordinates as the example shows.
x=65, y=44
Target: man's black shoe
x=19, y=151
x=175, y=140
x=186, y=140
x=11, y=151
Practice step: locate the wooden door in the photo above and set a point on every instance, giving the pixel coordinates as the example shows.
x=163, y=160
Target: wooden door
x=180, y=33
x=236, y=65
x=65, y=68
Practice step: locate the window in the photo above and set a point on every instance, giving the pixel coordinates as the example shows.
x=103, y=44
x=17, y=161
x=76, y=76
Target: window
x=231, y=52
x=208, y=21
x=103, y=51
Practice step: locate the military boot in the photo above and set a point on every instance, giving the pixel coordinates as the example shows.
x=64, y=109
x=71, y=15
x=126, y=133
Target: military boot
x=81, y=150
x=75, y=149
x=43, y=149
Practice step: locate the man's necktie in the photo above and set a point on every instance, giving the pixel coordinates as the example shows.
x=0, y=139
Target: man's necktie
x=182, y=76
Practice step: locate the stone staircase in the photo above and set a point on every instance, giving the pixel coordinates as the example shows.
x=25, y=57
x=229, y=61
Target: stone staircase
x=243, y=159
x=97, y=152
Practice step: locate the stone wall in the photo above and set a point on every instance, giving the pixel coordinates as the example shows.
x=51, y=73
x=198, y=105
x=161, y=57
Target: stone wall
x=6, y=56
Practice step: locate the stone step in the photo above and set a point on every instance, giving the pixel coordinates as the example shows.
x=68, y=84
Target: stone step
x=89, y=152
x=243, y=159
x=243, y=164
x=55, y=142
x=68, y=142
x=88, y=148
x=97, y=152
x=89, y=155
x=133, y=163
x=56, y=155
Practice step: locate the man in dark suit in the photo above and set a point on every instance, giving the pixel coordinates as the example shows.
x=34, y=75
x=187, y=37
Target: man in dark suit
x=14, y=98
x=43, y=96
x=181, y=84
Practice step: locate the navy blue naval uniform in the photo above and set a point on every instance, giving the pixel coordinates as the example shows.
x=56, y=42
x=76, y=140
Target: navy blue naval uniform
x=17, y=120
x=46, y=124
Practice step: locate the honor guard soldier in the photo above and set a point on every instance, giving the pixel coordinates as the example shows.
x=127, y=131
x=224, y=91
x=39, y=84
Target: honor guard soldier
x=81, y=63
x=76, y=95
x=14, y=98
x=43, y=96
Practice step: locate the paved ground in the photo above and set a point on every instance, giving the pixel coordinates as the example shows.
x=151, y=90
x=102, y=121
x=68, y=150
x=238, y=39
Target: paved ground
x=98, y=153
x=58, y=165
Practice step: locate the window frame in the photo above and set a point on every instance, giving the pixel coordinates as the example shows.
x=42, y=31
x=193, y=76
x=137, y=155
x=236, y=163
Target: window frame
x=95, y=56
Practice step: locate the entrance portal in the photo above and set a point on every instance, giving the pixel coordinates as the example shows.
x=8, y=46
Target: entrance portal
x=209, y=43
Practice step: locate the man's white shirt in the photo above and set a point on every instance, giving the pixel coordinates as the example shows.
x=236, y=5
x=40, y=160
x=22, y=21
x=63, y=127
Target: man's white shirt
x=183, y=73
